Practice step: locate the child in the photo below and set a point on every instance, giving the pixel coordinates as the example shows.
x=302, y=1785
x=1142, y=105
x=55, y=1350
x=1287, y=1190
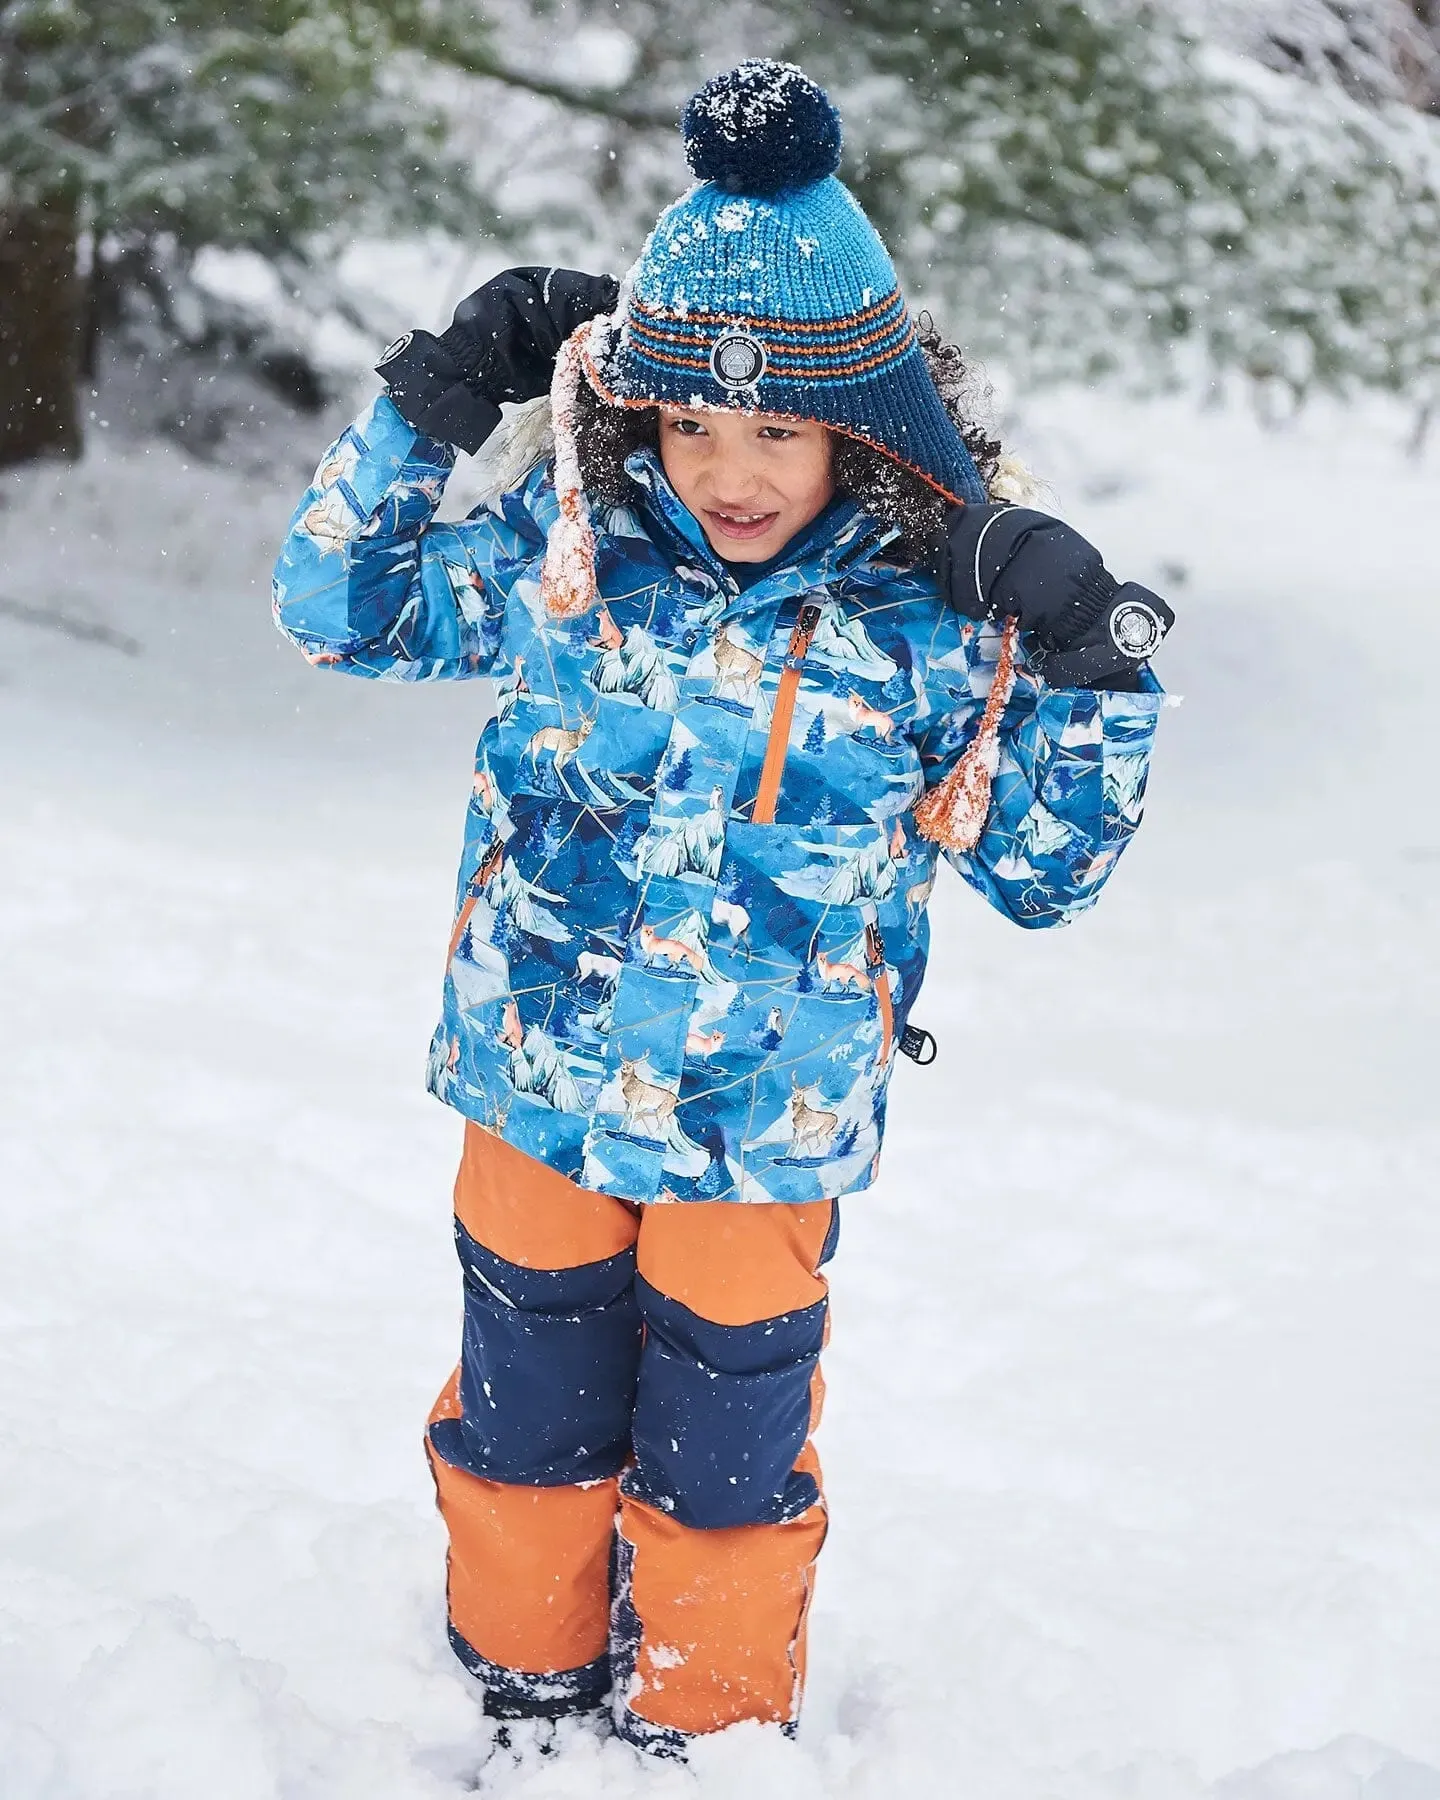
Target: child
x=763, y=647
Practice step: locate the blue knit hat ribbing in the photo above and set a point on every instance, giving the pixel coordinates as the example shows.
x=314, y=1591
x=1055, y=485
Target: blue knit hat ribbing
x=766, y=289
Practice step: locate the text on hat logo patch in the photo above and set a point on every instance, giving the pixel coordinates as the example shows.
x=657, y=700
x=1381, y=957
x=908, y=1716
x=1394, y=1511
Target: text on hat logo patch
x=738, y=360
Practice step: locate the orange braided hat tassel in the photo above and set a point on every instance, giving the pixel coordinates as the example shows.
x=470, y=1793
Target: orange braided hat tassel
x=953, y=813
x=567, y=579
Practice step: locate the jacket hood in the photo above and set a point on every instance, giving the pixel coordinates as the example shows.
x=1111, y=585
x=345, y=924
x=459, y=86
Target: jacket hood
x=843, y=540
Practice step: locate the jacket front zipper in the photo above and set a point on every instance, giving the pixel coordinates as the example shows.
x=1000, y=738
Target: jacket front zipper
x=777, y=743
x=880, y=975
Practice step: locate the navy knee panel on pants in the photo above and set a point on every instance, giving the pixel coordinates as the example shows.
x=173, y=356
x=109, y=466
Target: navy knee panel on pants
x=722, y=1414
x=548, y=1369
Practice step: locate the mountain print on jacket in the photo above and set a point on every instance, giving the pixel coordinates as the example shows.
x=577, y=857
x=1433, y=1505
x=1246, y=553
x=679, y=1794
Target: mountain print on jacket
x=658, y=984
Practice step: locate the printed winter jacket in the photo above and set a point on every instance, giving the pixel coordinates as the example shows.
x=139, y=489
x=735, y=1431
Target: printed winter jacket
x=691, y=914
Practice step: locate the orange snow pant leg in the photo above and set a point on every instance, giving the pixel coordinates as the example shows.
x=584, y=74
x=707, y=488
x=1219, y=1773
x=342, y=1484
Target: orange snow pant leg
x=662, y=1362
x=528, y=1439
x=721, y=1513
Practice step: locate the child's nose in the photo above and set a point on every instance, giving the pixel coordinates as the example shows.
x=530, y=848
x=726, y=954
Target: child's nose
x=737, y=483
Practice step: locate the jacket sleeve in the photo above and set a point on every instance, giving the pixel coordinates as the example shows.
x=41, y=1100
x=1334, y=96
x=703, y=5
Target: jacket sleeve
x=1070, y=787
x=368, y=583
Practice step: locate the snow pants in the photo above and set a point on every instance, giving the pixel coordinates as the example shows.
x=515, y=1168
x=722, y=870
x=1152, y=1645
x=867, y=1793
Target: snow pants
x=623, y=1457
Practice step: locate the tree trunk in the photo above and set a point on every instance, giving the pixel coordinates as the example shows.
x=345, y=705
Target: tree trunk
x=39, y=332
x=1420, y=57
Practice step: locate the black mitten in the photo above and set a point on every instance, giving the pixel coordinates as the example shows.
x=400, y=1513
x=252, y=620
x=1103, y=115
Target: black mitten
x=505, y=334
x=430, y=392
x=500, y=346
x=1085, y=628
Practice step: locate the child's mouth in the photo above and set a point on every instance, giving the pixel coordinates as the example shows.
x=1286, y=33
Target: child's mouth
x=740, y=524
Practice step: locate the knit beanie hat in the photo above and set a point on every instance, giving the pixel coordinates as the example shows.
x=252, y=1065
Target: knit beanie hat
x=766, y=289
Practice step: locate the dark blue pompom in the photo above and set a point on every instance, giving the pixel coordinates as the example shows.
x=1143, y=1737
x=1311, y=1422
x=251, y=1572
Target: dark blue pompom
x=761, y=127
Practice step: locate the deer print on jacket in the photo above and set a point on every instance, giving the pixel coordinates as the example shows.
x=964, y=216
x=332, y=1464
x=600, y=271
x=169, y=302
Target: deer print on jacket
x=649, y=1108
x=560, y=742
x=811, y=1127
x=737, y=669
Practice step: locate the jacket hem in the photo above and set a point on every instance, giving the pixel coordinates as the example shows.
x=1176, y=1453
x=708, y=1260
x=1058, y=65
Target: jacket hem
x=478, y=1114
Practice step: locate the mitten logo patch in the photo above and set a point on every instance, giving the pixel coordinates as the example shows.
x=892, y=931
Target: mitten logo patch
x=738, y=360
x=1136, y=629
x=391, y=351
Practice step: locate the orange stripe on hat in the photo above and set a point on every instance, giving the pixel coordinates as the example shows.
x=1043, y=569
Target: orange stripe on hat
x=900, y=329
x=831, y=372
x=632, y=403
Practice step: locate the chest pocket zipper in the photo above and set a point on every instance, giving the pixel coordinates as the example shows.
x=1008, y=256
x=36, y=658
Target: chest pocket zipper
x=880, y=975
x=777, y=742
x=489, y=863
x=915, y=1041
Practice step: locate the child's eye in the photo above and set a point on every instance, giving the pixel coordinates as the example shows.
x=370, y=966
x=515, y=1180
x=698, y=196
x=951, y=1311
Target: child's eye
x=687, y=427
x=776, y=433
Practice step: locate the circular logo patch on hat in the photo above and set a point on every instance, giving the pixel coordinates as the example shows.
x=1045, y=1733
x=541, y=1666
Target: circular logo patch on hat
x=1136, y=629
x=738, y=360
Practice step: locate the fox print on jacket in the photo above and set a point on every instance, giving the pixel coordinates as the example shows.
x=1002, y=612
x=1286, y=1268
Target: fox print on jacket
x=691, y=914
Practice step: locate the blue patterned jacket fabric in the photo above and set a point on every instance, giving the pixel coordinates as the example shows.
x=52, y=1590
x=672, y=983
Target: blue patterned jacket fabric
x=691, y=913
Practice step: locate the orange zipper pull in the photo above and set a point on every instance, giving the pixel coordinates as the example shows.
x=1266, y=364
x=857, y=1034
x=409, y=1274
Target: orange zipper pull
x=804, y=630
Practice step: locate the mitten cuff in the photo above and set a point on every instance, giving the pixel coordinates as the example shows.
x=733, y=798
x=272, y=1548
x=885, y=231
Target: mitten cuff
x=463, y=347
x=430, y=391
x=1118, y=643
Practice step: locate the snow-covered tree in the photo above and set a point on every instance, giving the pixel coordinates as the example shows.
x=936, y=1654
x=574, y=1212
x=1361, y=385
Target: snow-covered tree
x=136, y=134
x=167, y=125
x=712, y=1180
x=1376, y=50
x=1073, y=186
x=547, y=832
x=629, y=835
x=1093, y=170
x=679, y=774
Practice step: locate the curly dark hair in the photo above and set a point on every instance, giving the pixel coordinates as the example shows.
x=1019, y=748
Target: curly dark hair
x=605, y=435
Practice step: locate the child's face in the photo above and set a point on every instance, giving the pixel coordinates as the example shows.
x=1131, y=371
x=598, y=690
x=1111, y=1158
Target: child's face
x=752, y=479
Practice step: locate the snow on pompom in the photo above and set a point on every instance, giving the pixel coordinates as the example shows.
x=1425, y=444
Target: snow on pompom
x=761, y=127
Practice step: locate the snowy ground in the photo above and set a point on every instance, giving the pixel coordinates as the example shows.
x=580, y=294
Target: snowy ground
x=1132, y=1432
